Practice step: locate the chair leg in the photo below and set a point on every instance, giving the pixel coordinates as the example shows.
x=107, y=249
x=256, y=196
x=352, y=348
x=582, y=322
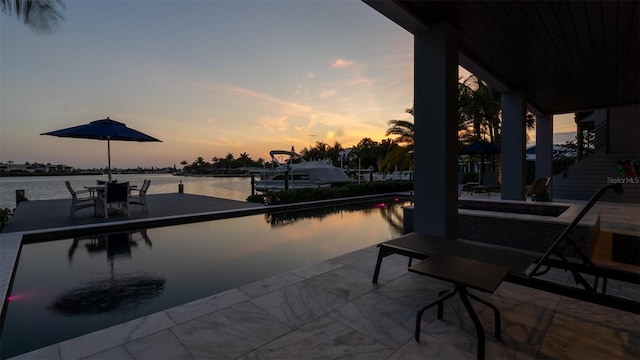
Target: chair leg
x=74, y=204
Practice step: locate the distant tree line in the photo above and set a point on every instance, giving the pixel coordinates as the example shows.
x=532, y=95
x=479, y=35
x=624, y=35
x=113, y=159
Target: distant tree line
x=479, y=118
x=221, y=165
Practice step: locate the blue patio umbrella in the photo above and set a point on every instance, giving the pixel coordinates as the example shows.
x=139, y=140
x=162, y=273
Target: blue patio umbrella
x=481, y=148
x=105, y=129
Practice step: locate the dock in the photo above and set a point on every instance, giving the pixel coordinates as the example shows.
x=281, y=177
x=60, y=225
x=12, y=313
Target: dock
x=48, y=214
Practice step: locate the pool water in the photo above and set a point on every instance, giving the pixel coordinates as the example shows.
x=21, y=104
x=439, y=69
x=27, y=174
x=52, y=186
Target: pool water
x=69, y=287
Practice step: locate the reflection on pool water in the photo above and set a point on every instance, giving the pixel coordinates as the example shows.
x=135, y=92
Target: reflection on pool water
x=69, y=287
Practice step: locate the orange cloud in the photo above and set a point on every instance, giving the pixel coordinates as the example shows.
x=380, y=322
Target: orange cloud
x=341, y=63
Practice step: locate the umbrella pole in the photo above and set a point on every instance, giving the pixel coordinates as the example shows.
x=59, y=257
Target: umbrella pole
x=481, y=168
x=109, y=157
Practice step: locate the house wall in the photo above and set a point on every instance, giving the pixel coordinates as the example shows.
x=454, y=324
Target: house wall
x=624, y=130
x=583, y=179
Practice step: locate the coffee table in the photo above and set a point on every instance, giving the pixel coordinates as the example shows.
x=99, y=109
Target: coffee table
x=463, y=273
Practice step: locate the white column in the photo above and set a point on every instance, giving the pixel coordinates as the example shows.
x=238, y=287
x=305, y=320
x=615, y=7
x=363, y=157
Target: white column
x=513, y=144
x=436, y=137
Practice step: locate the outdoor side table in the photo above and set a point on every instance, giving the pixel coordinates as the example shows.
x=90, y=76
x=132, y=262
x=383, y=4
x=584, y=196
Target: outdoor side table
x=463, y=273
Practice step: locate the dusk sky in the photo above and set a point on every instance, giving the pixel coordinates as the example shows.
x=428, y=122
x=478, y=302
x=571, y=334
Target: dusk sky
x=206, y=77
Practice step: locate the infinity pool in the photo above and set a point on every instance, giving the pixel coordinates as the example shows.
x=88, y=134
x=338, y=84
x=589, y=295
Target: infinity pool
x=69, y=287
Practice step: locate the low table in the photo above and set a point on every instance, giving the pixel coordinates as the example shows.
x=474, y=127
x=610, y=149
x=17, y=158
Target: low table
x=463, y=273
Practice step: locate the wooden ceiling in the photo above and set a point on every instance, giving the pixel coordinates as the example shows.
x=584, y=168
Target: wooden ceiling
x=566, y=56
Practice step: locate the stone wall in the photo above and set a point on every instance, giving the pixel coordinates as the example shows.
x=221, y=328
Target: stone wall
x=529, y=232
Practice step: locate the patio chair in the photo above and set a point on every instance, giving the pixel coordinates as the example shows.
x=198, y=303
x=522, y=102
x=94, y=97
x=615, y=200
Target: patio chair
x=489, y=182
x=115, y=193
x=141, y=197
x=538, y=191
x=80, y=199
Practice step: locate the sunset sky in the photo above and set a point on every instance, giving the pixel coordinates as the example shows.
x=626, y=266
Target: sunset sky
x=206, y=77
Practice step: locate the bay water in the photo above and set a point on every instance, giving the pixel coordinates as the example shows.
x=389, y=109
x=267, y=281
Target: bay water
x=53, y=187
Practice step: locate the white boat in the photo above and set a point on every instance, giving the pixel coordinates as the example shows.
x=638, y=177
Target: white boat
x=302, y=174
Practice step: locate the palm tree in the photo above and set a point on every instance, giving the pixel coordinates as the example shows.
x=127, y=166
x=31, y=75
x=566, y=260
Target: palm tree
x=40, y=15
x=244, y=159
x=229, y=158
x=403, y=129
x=215, y=161
x=398, y=156
x=480, y=110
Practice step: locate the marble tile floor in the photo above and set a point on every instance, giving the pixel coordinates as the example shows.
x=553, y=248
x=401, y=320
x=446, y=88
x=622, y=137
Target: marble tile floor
x=331, y=310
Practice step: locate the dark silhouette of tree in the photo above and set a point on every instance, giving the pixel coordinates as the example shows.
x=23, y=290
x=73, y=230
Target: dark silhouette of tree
x=215, y=162
x=399, y=151
x=229, y=159
x=368, y=152
x=42, y=16
x=394, y=157
x=403, y=129
x=244, y=160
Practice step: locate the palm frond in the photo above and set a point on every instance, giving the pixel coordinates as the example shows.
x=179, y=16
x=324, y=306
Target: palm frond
x=41, y=16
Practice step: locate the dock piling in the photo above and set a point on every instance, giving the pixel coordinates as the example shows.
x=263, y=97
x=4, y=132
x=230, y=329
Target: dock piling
x=20, y=197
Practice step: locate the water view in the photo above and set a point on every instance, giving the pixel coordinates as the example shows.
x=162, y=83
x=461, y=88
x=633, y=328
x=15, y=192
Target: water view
x=52, y=187
x=69, y=287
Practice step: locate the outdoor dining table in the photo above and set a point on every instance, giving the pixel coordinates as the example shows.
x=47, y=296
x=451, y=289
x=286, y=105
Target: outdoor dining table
x=99, y=188
x=97, y=192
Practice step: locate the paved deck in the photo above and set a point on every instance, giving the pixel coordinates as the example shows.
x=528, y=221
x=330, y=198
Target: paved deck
x=332, y=310
x=46, y=214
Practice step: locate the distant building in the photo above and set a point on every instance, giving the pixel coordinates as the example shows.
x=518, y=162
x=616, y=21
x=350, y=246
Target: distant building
x=35, y=167
x=16, y=167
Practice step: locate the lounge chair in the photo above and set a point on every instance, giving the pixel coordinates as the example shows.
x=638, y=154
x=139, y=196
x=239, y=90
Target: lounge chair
x=80, y=199
x=538, y=191
x=115, y=193
x=489, y=182
x=527, y=267
x=141, y=197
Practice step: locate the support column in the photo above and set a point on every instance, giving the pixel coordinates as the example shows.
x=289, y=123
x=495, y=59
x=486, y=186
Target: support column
x=435, y=127
x=544, y=147
x=513, y=146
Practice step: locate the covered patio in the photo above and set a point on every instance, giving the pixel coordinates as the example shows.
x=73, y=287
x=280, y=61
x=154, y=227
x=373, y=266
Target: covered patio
x=546, y=57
